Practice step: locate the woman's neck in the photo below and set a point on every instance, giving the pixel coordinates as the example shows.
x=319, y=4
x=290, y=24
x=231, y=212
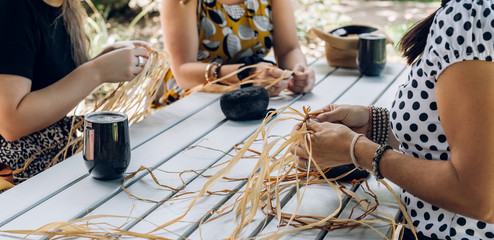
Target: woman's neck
x=54, y=3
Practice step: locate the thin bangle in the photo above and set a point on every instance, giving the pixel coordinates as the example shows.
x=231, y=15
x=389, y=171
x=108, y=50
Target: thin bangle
x=352, y=151
x=208, y=70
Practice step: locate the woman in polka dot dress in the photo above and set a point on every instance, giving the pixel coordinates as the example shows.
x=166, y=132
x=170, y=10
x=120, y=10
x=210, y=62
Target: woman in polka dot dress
x=442, y=122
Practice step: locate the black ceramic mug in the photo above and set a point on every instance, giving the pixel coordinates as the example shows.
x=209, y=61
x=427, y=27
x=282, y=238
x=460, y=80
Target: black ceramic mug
x=106, y=148
x=371, y=57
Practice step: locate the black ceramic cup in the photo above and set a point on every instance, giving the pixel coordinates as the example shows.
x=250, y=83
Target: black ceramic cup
x=106, y=148
x=371, y=57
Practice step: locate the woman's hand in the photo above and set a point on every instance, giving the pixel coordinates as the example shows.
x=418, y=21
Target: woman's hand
x=121, y=64
x=269, y=75
x=355, y=117
x=303, y=79
x=330, y=144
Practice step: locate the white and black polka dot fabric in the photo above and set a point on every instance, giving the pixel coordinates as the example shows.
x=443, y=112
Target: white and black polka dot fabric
x=462, y=30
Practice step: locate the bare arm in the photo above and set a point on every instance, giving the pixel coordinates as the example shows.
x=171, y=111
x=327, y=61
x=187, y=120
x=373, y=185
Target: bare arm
x=23, y=112
x=179, y=25
x=286, y=45
x=287, y=49
x=465, y=100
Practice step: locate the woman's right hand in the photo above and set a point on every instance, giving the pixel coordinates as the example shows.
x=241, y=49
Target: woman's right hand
x=120, y=65
x=355, y=117
x=269, y=75
x=329, y=142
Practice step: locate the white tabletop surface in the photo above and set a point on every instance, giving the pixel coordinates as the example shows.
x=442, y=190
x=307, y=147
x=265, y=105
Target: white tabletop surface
x=66, y=191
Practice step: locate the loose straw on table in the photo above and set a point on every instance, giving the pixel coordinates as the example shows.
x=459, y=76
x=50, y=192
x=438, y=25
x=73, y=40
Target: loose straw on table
x=261, y=187
x=275, y=171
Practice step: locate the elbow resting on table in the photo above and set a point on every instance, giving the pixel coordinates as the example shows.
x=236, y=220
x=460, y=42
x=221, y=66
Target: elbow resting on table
x=484, y=211
x=181, y=78
x=10, y=133
x=10, y=136
x=479, y=205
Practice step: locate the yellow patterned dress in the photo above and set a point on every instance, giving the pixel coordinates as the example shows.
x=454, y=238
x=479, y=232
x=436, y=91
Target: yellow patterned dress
x=227, y=33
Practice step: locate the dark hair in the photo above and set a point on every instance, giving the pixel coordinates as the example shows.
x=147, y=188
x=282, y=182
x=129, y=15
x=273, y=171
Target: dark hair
x=412, y=44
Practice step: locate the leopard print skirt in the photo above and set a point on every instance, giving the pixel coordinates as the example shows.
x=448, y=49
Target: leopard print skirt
x=41, y=146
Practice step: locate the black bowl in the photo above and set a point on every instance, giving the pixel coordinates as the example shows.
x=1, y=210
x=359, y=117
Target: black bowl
x=248, y=103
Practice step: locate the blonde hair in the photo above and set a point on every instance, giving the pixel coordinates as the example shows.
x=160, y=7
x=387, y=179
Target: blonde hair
x=74, y=17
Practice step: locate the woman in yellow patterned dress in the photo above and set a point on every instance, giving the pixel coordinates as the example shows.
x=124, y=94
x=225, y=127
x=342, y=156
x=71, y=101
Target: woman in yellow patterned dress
x=217, y=37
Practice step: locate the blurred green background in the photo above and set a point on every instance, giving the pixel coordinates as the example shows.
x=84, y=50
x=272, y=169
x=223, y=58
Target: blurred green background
x=115, y=20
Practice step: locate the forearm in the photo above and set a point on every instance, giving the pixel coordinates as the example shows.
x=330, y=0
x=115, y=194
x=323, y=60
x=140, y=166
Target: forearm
x=289, y=59
x=437, y=182
x=189, y=75
x=392, y=141
x=42, y=108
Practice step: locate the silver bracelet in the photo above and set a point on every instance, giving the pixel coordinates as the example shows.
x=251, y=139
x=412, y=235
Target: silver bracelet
x=352, y=151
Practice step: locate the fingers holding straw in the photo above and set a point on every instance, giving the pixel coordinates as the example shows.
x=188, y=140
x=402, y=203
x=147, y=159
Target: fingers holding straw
x=141, y=58
x=324, y=143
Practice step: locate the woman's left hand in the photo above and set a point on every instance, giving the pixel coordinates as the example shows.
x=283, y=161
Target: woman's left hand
x=302, y=80
x=330, y=145
x=268, y=75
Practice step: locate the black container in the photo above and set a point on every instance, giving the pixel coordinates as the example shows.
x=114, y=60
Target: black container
x=106, y=144
x=352, y=29
x=249, y=103
x=340, y=170
x=371, y=57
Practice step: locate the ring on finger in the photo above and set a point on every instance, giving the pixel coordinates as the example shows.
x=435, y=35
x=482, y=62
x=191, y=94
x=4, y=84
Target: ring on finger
x=140, y=61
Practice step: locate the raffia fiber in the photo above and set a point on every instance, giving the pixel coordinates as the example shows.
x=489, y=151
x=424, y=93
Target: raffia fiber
x=274, y=172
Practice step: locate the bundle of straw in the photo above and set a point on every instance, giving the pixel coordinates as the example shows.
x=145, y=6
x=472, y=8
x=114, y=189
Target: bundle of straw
x=134, y=97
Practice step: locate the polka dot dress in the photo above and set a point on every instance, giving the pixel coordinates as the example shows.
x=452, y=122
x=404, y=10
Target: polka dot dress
x=462, y=30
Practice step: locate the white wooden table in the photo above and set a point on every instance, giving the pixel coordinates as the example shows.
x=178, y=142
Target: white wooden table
x=66, y=191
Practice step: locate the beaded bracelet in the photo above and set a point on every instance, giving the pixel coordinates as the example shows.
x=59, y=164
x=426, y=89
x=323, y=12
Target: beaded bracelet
x=379, y=119
x=377, y=158
x=244, y=73
x=369, y=129
x=216, y=73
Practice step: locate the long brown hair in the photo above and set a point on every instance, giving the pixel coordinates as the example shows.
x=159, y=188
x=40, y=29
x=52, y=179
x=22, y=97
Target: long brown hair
x=74, y=17
x=413, y=43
